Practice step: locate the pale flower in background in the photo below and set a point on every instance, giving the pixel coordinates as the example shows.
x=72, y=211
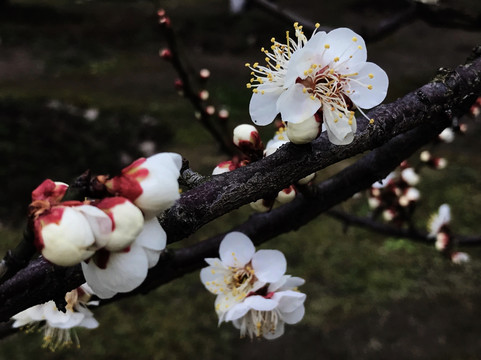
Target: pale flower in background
x=439, y=220
x=327, y=74
x=58, y=328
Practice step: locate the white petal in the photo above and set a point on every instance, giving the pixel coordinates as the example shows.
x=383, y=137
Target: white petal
x=100, y=223
x=158, y=194
x=124, y=272
x=365, y=98
x=262, y=107
x=292, y=283
x=152, y=256
x=260, y=303
x=340, y=132
x=295, y=316
x=289, y=300
x=237, y=311
x=213, y=279
x=162, y=162
x=215, y=262
x=236, y=249
x=295, y=105
x=152, y=236
x=342, y=45
x=89, y=322
x=269, y=265
x=300, y=61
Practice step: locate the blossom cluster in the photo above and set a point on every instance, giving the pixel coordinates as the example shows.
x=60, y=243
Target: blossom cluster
x=316, y=84
x=248, y=141
x=395, y=196
x=115, y=238
x=58, y=326
x=252, y=289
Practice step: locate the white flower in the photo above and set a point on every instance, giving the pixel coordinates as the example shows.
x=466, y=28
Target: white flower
x=151, y=184
x=240, y=270
x=460, y=258
x=264, y=313
x=111, y=272
x=439, y=220
x=59, y=325
x=327, y=73
x=67, y=235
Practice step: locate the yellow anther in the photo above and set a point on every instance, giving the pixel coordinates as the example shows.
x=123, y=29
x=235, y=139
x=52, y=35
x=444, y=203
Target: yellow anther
x=305, y=72
x=273, y=39
x=267, y=59
x=309, y=71
x=314, y=66
x=304, y=90
x=371, y=121
x=371, y=76
x=331, y=71
x=369, y=87
x=252, y=72
x=336, y=59
x=296, y=24
x=262, y=92
x=312, y=97
x=359, y=47
x=255, y=91
x=248, y=85
x=317, y=25
x=263, y=50
x=349, y=121
x=247, y=64
x=354, y=39
x=278, y=66
x=256, y=64
x=336, y=120
x=327, y=46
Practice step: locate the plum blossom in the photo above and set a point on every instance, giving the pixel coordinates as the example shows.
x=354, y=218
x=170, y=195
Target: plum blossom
x=252, y=290
x=59, y=326
x=439, y=220
x=326, y=76
x=150, y=183
x=240, y=270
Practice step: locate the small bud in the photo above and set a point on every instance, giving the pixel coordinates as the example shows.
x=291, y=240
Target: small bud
x=178, y=84
x=247, y=138
x=223, y=114
x=388, y=214
x=210, y=110
x=204, y=74
x=166, y=54
x=447, y=135
x=286, y=195
x=305, y=131
x=262, y=205
x=203, y=95
x=425, y=156
x=373, y=202
x=442, y=241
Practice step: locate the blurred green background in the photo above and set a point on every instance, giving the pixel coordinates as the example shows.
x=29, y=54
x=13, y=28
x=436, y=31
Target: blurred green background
x=82, y=86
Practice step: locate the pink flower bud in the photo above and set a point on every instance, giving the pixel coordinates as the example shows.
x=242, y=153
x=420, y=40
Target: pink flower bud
x=247, y=138
x=178, y=84
x=127, y=222
x=166, y=54
x=224, y=167
x=51, y=191
x=210, y=110
x=203, y=95
x=223, y=114
x=63, y=236
x=151, y=184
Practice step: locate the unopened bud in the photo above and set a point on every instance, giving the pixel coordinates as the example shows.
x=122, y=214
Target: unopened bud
x=210, y=110
x=373, y=202
x=203, y=95
x=442, y=241
x=262, y=205
x=166, y=54
x=204, y=74
x=224, y=167
x=247, y=138
x=178, y=84
x=388, y=215
x=286, y=195
x=304, y=132
x=223, y=114
x=447, y=135
x=425, y=156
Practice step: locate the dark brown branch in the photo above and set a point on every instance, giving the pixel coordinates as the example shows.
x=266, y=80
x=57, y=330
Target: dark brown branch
x=400, y=128
x=224, y=140
x=390, y=230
